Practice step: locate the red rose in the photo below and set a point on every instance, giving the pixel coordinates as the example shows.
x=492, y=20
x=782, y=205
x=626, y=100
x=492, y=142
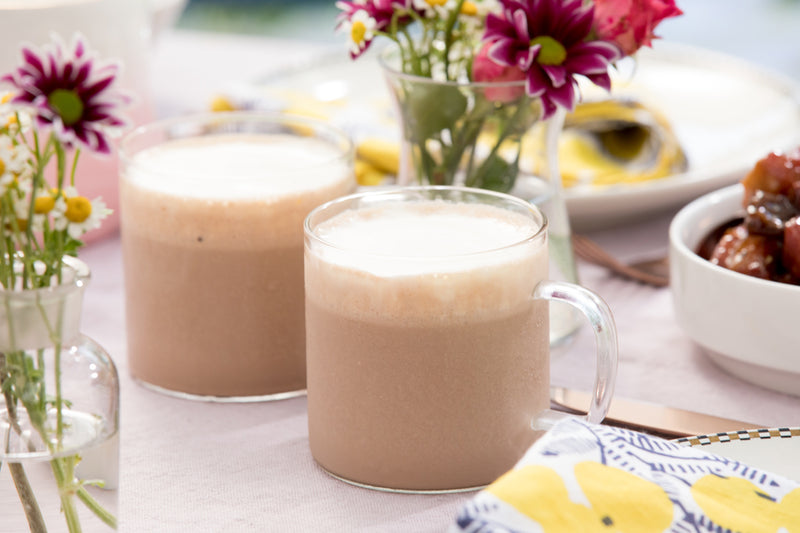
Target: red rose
x=630, y=24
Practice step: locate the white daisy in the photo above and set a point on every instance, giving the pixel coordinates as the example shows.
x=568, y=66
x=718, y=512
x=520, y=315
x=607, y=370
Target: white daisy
x=12, y=118
x=474, y=9
x=14, y=162
x=360, y=30
x=77, y=214
x=434, y=8
x=7, y=115
x=483, y=7
x=59, y=212
x=45, y=206
x=20, y=203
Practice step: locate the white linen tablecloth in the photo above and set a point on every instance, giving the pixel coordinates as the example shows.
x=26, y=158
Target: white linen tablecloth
x=197, y=467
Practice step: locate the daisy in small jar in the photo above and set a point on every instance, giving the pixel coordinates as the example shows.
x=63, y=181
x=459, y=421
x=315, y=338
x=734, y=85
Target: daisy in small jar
x=59, y=101
x=77, y=214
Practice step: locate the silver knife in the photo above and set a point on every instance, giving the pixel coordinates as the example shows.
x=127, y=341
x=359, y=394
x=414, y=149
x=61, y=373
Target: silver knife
x=667, y=422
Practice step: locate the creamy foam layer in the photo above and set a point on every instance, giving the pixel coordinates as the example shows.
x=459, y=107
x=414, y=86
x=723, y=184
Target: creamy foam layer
x=220, y=167
x=426, y=229
x=423, y=263
x=232, y=191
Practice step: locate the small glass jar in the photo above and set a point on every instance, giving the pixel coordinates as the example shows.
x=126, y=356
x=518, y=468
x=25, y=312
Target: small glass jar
x=59, y=412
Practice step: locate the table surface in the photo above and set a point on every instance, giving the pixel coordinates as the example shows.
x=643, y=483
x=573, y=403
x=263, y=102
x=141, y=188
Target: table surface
x=190, y=466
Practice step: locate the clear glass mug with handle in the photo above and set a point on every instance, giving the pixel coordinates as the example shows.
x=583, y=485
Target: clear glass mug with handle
x=427, y=336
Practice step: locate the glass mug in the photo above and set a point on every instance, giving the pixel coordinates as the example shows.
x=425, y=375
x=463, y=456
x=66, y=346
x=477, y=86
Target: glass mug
x=212, y=240
x=427, y=336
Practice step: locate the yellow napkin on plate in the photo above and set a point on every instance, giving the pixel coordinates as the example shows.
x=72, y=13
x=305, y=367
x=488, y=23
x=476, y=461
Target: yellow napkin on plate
x=587, y=478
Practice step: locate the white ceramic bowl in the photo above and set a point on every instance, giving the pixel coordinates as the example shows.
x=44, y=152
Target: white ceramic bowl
x=747, y=325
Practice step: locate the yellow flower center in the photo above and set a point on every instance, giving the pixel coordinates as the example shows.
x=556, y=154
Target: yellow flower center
x=434, y=3
x=43, y=204
x=551, y=52
x=468, y=8
x=358, y=31
x=22, y=224
x=2, y=167
x=78, y=209
x=5, y=98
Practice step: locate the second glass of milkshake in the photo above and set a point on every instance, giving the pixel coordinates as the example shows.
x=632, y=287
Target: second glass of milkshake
x=212, y=210
x=427, y=336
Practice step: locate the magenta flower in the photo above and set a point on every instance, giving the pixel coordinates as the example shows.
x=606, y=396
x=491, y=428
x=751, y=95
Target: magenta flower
x=549, y=40
x=70, y=91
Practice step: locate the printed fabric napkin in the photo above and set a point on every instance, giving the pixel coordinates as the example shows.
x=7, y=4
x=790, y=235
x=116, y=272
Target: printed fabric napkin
x=586, y=478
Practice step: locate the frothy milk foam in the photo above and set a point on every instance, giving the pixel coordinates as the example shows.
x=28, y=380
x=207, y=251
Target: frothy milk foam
x=429, y=229
x=225, y=184
x=212, y=236
x=427, y=357
x=267, y=167
x=433, y=250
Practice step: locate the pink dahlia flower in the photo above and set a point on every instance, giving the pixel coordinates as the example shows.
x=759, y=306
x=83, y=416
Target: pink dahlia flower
x=630, y=24
x=548, y=40
x=72, y=92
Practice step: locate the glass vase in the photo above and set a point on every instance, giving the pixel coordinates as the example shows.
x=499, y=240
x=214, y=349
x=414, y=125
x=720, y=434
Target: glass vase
x=59, y=413
x=488, y=135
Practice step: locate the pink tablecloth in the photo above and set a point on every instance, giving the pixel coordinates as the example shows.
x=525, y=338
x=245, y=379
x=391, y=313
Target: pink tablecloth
x=198, y=467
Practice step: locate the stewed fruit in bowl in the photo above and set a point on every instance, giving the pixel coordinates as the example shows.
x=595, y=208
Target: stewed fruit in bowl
x=765, y=241
x=735, y=273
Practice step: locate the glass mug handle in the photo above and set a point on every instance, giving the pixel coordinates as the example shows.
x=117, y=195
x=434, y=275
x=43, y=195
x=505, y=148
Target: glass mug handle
x=605, y=332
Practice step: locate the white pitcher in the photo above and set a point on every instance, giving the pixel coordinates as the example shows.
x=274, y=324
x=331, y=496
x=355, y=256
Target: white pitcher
x=116, y=29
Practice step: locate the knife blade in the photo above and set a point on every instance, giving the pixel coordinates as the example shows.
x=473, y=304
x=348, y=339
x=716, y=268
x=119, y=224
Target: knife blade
x=654, y=419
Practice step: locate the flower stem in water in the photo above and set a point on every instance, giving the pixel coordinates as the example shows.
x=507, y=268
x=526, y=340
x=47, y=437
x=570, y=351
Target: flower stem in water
x=26, y=496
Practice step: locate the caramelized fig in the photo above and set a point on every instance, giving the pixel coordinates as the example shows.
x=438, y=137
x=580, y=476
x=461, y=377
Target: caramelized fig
x=706, y=247
x=754, y=255
x=776, y=174
x=791, y=247
x=767, y=213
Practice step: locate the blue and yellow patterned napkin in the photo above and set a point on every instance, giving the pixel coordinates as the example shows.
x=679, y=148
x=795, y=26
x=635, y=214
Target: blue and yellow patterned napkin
x=587, y=478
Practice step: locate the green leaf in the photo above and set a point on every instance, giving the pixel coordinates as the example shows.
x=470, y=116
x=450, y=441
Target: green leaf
x=71, y=246
x=496, y=174
x=431, y=108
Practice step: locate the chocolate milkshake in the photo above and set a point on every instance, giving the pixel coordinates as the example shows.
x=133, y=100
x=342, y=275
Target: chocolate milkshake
x=212, y=243
x=427, y=356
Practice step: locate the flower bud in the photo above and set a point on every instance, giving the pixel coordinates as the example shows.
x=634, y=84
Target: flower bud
x=484, y=69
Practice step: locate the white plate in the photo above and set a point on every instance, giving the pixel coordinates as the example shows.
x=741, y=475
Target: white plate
x=772, y=450
x=727, y=114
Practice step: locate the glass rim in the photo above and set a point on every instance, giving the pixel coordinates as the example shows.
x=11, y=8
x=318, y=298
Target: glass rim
x=533, y=212
x=80, y=277
x=127, y=153
x=388, y=50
